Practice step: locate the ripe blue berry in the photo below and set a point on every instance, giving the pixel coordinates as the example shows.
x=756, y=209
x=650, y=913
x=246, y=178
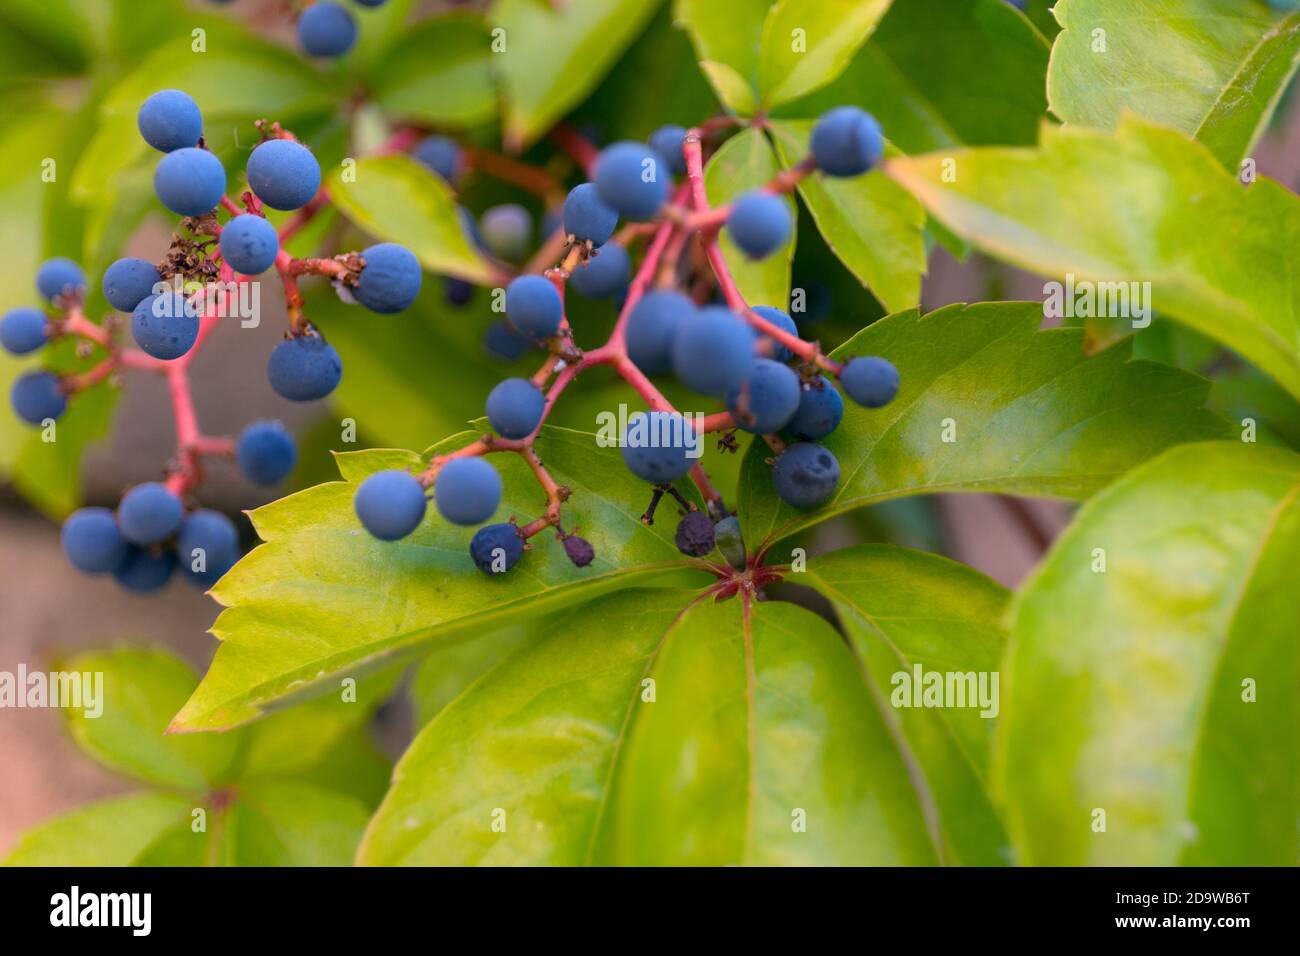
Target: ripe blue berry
x=502, y=342
x=847, y=142
x=149, y=513
x=145, y=569
x=22, y=330
x=496, y=548
x=713, y=352
x=442, y=155
x=767, y=400
x=326, y=29
x=805, y=475
x=604, y=274
x=820, y=411
x=659, y=447
x=652, y=327
x=304, y=368
x=760, y=223
x=515, y=407
x=170, y=120
x=249, y=244
x=508, y=231
x=283, y=174
x=468, y=491
x=533, y=307
x=390, y=280
x=189, y=181
x=782, y=321
x=390, y=504
x=207, y=547
x=667, y=142
x=587, y=217
x=266, y=453
x=92, y=541
x=165, y=326
x=60, y=277
x=870, y=381
x=630, y=180
x=128, y=282
x=37, y=396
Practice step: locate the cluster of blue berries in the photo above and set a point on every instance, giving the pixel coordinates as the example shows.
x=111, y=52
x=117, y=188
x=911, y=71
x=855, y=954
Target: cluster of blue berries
x=40, y=396
x=767, y=388
x=151, y=535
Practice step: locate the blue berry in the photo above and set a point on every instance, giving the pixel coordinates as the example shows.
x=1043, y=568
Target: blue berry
x=144, y=570
x=304, y=368
x=604, y=274
x=189, y=181
x=22, y=330
x=283, y=174
x=713, y=352
x=390, y=504
x=496, y=548
x=508, y=231
x=249, y=244
x=149, y=513
x=659, y=447
x=587, y=217
x=870, y=381
x=820, y=411
x=533, y=307
x=695, y=536
x=128, y=282
x=759, y=223
x=767, y=400
x=37, y=396
x=60, y=277
x=468, y=491
x=630, y=180
x=782, y=321
x=390, y=280
x=502, y=341
x=165, y=326
x=652, y=327
x=170, y=120
x=805, y=475
x=515, y=408
x=266, y=453
x=812, y=302
x=371, y=3
x=442, y=155
x=92, y=541
x=207, y=547
x=326, y=29
x=847, y=141
x=457, y=292
x=667, y=141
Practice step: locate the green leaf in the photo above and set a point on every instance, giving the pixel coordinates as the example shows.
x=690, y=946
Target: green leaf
x=446, y=672
x=874, y=226
x=439, y=72
x=302, y=608
x=398, y=200
x=115, y=832
x=555, y=54
x=805, y=46
x=1161, y=689
x=1030, y=412
x=727, y=39
x=905, y=608
x=746, y=723
x=979, y=80
x=745, y=162
x=284, y=823
x=142, y=690
x=1141, y=205
x=1214, y=69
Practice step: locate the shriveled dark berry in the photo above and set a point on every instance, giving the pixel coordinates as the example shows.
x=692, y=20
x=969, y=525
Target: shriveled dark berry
x=579, y=550
x=695, y=534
